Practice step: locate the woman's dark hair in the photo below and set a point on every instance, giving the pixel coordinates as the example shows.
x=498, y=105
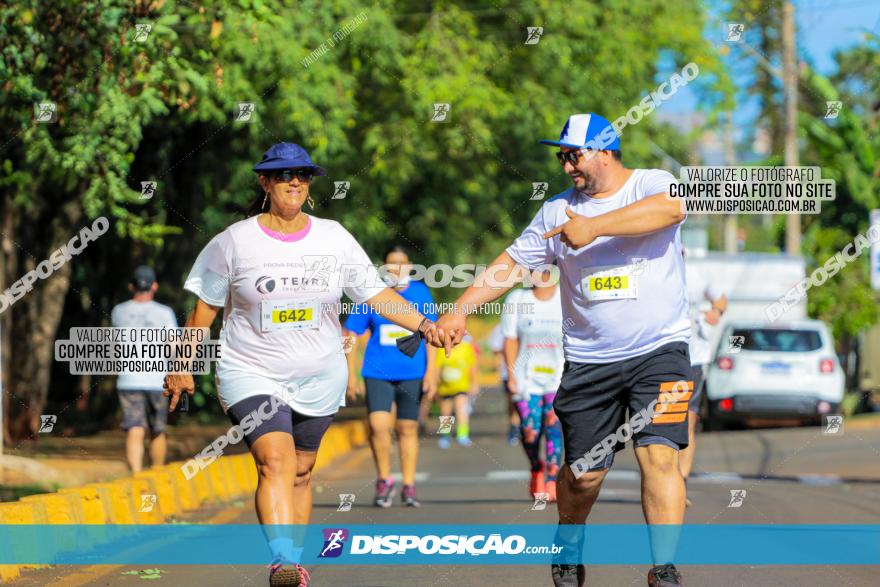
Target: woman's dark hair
x=397, y=248
x=261, y=202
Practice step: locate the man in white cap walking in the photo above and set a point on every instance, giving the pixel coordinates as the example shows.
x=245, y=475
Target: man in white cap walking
x=140, y=394
x=615, y=236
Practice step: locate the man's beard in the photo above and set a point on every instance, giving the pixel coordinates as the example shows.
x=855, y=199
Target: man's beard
x=589, y=184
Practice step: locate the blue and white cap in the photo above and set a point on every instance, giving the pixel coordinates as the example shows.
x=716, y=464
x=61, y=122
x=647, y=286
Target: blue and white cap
x=589, y=131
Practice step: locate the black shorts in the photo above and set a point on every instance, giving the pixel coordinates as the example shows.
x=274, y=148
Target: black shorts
x=593, y=400
x=307, y=431
x=407, y=394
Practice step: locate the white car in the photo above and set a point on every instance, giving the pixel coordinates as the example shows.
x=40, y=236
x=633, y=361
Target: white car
x=780, y=370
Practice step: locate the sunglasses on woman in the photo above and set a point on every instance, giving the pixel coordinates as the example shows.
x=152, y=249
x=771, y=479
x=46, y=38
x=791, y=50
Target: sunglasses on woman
x=286, y=175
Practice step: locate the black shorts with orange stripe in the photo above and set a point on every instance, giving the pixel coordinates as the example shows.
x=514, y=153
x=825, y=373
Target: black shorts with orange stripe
x=594, y=398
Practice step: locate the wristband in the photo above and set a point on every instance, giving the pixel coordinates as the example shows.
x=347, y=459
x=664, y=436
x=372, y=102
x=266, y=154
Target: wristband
x=422, y=323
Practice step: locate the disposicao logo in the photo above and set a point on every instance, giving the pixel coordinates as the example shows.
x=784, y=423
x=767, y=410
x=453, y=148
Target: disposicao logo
x=334, y=542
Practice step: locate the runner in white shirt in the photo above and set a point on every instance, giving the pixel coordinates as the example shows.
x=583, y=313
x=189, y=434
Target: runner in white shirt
x=279, y=277
x=496, y=344
x=533, y=353
x=707, y=306
x=616, y=237
x=140, y=394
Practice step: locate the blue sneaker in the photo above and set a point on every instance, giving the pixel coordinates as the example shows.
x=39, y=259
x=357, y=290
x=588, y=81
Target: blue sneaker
x=513, y=435
x=464, y=441
x=444, y=442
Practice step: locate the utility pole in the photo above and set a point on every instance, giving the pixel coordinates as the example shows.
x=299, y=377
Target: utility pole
x=730, y=220
x=790, y=83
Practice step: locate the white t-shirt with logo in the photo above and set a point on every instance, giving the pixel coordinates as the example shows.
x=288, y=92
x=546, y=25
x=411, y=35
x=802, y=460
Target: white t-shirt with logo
x=540, y=359
x=626, y=296
x=701, y=331
x=280, y=302
x=132, y=314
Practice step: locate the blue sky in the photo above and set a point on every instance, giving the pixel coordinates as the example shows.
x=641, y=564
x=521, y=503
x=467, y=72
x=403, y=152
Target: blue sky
x=823, y=26
x=827, y=25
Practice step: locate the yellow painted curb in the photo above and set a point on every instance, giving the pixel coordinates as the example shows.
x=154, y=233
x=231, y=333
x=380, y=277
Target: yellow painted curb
x=199, y=484
x=9, y=572
x=21, y=514
x=166, y=499
x=144, y=509
x=216, y=476
x=335, y=442
x=60, y=508
x=92, y=503
x=357, y=432
x=146, y=500
x=233, y=487
x=240, y=464
x=184, y=489
x=247, y=473
x=126, y=501
x=120, y=509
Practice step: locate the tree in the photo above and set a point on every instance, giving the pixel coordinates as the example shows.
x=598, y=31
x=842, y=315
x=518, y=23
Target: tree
x=356, y=86
x=848, y=150
x=105, y=87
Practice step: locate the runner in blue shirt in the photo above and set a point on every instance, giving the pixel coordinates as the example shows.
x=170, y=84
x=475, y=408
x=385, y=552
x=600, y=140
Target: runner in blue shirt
x=392, y=378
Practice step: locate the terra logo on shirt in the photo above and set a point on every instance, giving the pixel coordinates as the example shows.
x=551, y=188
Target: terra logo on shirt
x=265, y=284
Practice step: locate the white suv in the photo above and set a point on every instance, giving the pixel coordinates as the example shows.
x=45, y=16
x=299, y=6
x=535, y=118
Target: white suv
x=781, y=370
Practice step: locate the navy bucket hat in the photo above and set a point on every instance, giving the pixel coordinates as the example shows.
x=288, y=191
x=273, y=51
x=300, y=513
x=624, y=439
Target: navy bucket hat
x=287, y=156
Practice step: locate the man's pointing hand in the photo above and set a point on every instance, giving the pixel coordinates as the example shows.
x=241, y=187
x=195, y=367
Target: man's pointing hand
x=577, y=232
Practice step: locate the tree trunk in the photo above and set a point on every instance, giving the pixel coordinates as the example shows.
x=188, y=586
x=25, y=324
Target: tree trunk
x=30, y=324
x=8, y=261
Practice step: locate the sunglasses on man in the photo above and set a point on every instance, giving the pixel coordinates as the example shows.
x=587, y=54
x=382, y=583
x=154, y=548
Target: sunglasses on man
x=571, y=156
x=286, y=175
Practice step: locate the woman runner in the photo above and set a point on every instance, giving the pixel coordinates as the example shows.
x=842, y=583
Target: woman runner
x=394, y=382
x=278, y=275
x=533, y=350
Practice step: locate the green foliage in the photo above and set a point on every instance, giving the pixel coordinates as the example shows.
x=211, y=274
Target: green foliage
x=846, y=301
x=848, y=150
x=162, y=109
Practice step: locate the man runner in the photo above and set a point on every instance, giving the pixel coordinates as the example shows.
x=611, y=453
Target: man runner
x=140, y=394
x=615, y=236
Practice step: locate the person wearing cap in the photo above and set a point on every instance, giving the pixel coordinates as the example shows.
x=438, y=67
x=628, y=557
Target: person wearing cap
x=140, y=394
x=278, y=276
x=615, y=235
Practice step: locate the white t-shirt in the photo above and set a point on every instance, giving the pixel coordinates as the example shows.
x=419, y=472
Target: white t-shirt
x=281, y=309
x=132, y=314
x=626, y=296
x=540, y=359
x=496, y=343
x=701, y=331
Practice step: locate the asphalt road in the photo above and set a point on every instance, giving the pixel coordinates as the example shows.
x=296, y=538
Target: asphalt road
x=792, y=476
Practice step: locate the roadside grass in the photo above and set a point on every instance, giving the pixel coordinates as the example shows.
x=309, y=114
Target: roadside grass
x=16, y=492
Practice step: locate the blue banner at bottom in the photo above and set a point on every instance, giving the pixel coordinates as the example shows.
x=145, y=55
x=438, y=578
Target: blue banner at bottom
x=413, y=544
